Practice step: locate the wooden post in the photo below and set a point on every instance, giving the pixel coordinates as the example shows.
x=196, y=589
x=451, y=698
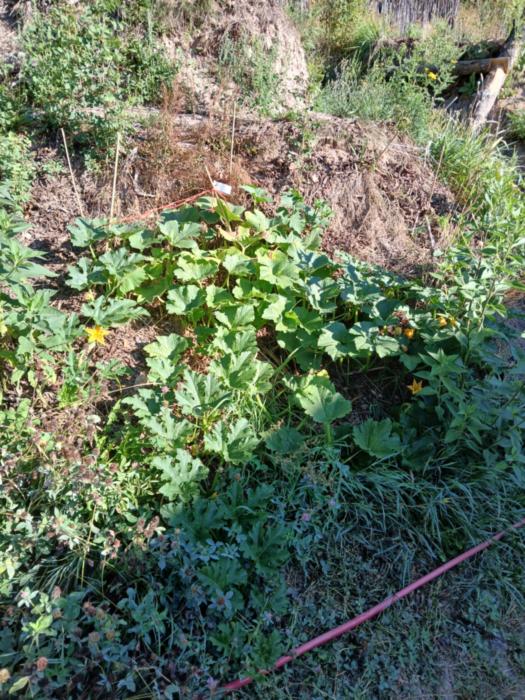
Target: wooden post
x=495, y=80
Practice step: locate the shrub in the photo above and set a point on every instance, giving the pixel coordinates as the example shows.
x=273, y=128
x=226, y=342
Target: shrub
x=82, y=59
x=251, y=68
x=16, y=165
x=401, y=85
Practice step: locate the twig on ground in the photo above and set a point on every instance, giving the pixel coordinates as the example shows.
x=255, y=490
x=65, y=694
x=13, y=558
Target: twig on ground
x=73, y=181
x=115, y=173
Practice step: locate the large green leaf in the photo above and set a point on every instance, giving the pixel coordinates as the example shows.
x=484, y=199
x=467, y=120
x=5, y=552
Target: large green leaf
x=112, y=312
x=180, y=235
x=164, y=354
x=87, y=232
x=199, y=394
x=181, y=475
x=195, y=268
x=185, y=299
x=277, y=268
x=377, y=438
x=285, y=440
x=235, y=443
x=236, y=316
x=336, y=341
x=243, y=371
x=319, y=399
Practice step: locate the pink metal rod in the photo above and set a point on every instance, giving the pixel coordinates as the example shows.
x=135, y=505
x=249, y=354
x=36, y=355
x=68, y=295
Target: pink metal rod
x=373, y=612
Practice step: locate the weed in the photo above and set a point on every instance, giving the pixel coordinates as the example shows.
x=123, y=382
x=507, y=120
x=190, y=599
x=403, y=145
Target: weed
x=517, y=125
x=84, y=78
x=400, y=86
x=251, y=68
x=16, y=165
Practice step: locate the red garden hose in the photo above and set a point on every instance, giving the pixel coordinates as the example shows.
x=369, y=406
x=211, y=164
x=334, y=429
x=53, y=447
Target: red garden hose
x=369, y=614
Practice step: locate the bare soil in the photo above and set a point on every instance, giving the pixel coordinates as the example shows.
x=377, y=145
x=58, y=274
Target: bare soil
x=229, y=34
x=388, y=206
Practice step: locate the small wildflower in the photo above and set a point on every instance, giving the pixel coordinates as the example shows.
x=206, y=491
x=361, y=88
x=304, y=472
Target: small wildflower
x=89, y=296
x=212, y=683
x=41, y=663
x=409, y=333
x=4, y=675
x=306, y=517
x=432, y=75
x=93, y=637
x=97, y=334
x=415, y=387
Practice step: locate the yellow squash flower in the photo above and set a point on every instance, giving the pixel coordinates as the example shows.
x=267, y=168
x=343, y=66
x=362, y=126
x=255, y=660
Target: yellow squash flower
x=96, y=335
x=432, y=76
x=415, y=387
x=90, y=296
x=410, y=333
x=442, y=320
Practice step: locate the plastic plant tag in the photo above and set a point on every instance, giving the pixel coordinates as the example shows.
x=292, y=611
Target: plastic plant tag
x=222, y=187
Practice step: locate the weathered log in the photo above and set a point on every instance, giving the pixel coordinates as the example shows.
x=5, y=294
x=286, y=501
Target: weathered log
x=482, y=65
x=495, y=80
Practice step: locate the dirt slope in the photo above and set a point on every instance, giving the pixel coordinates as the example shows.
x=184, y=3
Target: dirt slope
x=388, y=206
x=254, y=44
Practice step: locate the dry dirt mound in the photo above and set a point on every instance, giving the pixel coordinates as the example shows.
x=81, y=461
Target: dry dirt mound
x=388, y=206
x=8, y=38
x=237, y=48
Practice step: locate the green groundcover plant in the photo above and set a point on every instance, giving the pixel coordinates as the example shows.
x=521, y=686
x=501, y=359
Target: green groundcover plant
x=148, y=527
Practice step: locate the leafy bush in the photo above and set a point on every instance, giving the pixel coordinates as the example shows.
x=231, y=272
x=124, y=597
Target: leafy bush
x=80, y=59
x=251, y=68
x=16, y=165
x=401, y=85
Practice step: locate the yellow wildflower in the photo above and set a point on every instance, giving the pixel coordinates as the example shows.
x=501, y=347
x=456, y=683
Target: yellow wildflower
x=432, y=76
x=322, y=373
x=415, y=387
x=442, y=320
x=453, y=321
x=97, y=334
x=409, y=333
